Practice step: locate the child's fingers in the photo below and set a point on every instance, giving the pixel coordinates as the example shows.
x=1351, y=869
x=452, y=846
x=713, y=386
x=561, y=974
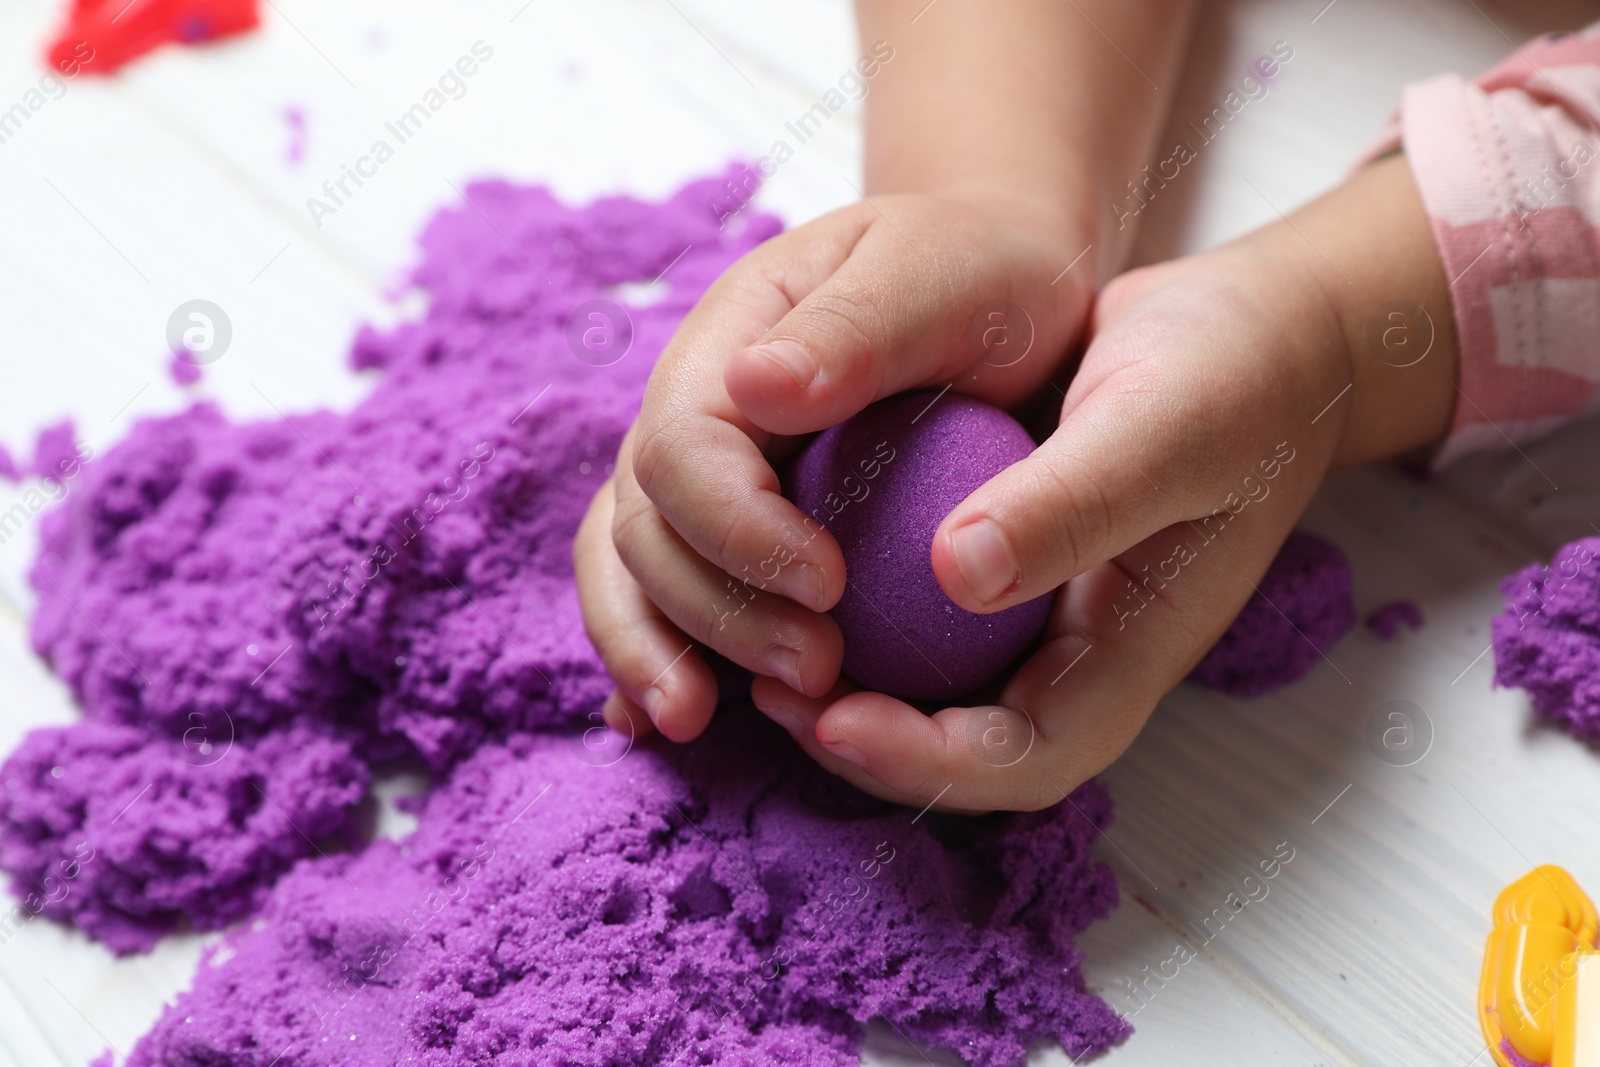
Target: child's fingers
x=1086, y=494
x=960, y=759
x=700, y=461
x=798, y=714
x=892, y=318
x=765, y=633
x=883, y=323
x=714, y=487
x=648, y=657
x=733, y=613
x=1077, y=703
x=622, y=716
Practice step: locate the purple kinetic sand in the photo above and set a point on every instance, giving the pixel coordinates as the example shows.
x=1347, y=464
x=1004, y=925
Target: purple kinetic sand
x=131, y=834
x=253, y=615
x=1304, y=605
x=1547, y=640
x=722, y=902
x=400, y=575
x=55, y=454
x=182, y=371
x=8, y=465
x=1515, y=1058
x=295, y=151
x=881, y=483
x=1387, y=620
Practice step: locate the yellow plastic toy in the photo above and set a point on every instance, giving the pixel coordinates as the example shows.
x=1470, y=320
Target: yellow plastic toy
x=1540, y=991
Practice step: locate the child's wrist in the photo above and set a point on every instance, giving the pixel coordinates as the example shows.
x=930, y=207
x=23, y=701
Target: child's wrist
x=1370, y=244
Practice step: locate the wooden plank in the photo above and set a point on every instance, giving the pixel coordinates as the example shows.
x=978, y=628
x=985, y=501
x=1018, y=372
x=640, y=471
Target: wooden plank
x=1374, y=932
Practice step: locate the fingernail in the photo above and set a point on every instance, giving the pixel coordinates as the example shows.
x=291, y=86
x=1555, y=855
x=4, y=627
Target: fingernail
x=847, y=752
x=784, y=718
x=784, y=665
x=652, y=699
x=985, y=559
x=808, y=583
x=792, y=358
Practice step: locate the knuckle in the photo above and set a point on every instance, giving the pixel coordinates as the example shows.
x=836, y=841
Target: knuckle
x=653, y=454
x=1078, y=523
x=705, y=624
x=845, y=322
x=632, y=525
x=726, y=532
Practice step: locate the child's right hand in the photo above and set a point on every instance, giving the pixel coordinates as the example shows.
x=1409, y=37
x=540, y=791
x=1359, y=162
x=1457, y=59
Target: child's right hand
x=805, y=331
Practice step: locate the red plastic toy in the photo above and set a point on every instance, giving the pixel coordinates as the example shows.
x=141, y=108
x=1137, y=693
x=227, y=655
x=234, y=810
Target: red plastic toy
x=102, y=35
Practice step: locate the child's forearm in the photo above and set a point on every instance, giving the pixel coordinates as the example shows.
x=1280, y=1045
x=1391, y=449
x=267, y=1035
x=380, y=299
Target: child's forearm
x=1381, y=296
x=1056, y=104
x=1398, y=323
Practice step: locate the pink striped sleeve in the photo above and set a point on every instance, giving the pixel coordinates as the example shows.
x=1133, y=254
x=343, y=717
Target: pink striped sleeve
x=1508, y=166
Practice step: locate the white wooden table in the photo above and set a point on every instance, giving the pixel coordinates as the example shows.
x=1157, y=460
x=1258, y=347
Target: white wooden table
x=125, y=199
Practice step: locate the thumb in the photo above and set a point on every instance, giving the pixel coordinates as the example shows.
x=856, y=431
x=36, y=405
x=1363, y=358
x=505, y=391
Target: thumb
x=892, y=317
x=1157, y=429
x=1109, y=477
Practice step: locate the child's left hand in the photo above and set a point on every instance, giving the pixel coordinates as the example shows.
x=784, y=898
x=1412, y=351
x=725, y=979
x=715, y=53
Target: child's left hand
x=1238, y=375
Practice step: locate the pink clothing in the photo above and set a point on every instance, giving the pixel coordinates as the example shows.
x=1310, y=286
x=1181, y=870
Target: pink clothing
x=1508, y=166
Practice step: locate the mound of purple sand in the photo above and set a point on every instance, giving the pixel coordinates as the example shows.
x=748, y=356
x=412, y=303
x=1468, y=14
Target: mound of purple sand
x=882, y=483
x=253, y=615
x=719, y=903
x=130, y=834
x=1302, y=608
x=1387, y=620
x=399, y=576
x=1547, y=641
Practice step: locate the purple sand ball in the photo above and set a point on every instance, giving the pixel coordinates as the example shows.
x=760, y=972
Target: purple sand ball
x=881, y=483
x=1547, y=641
x=1302, y=608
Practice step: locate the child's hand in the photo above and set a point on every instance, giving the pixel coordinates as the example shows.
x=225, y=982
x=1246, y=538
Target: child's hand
x=802, y=333
x=996, y=138
x=1227, y=381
